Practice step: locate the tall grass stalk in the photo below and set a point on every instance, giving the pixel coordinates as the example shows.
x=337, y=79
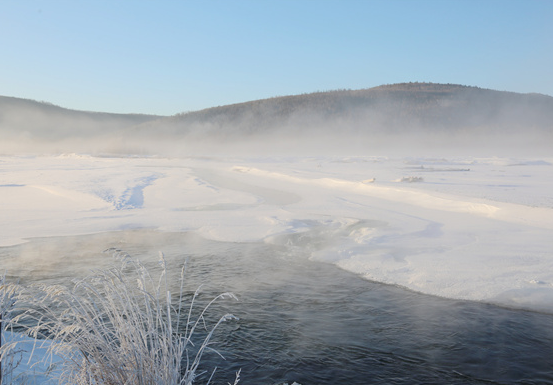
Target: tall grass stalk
x=121, y=326
x=9, y=292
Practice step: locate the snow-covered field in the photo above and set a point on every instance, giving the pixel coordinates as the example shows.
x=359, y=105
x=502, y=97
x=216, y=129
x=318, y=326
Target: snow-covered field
x=467, y=228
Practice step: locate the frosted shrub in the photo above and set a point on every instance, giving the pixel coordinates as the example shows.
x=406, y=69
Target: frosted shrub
x=120, y=326
x=8, y=355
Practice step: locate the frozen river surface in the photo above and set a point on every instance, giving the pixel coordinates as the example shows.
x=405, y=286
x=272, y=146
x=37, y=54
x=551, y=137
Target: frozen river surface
x=476, y=229
x=464, y=228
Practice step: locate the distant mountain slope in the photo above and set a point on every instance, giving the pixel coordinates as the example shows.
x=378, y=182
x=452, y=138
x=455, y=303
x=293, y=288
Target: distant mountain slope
x=41, y=120
x=398, y=108
x=408, y=114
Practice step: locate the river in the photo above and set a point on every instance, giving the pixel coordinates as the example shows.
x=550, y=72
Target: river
x=312, y=322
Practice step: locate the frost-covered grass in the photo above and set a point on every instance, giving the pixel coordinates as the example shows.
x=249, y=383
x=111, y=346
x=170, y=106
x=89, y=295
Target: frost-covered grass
x=120, y=326
x=8, y=361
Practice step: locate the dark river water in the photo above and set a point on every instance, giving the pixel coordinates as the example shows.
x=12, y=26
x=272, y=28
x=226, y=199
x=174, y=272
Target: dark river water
x=313, y=323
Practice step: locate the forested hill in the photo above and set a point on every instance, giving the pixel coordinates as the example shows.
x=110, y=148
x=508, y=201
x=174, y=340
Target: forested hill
x=436, y=115
x=28, y=118
x=397, y=108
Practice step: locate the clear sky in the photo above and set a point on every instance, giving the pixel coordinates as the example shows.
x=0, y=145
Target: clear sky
x=165, y=57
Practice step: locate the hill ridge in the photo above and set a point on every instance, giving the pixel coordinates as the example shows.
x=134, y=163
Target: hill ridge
x=431, y=104
x=444, y=114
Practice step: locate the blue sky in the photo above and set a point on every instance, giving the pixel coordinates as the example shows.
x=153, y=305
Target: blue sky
x=165, y=57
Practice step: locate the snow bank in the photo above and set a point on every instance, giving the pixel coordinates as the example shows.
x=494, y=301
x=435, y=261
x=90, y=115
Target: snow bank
x=471, y=228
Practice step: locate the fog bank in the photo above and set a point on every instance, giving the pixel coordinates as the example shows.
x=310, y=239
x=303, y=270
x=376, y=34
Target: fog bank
x=414, y=118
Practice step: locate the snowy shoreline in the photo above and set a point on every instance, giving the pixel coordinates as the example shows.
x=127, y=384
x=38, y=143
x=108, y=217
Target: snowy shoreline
x=465, y=228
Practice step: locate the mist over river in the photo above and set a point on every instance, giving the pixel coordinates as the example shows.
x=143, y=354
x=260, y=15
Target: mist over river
x=311, y=322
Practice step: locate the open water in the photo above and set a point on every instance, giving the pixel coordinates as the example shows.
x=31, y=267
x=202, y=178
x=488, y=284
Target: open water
x=311, y=322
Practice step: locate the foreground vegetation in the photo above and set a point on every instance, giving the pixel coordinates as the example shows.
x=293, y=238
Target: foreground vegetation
x=119, y=326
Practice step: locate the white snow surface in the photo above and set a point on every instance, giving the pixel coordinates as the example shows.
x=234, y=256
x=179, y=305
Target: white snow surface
x=465, y=228
x=33, y=363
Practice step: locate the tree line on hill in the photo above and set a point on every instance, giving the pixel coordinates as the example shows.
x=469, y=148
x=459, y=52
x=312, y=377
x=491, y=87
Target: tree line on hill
x=406, y=109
